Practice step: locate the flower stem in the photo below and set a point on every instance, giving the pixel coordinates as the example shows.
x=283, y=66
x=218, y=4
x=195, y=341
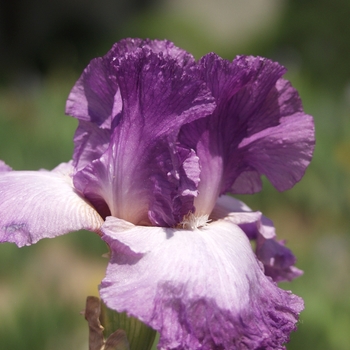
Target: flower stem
x=140, y=336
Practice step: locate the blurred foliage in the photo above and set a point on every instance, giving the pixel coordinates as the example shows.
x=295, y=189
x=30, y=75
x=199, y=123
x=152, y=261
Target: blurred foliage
x=43, y=287
x=316, y=34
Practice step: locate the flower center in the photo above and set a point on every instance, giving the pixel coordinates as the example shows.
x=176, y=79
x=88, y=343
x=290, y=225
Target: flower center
x=190, y=221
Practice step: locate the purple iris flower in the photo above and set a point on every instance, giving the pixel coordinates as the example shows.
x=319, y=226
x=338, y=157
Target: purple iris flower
x=161, y=140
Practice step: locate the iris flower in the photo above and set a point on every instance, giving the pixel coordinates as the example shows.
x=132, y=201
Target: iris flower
x=162, y=141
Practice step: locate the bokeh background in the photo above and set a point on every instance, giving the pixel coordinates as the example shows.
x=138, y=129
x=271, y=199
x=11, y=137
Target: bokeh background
x=44, y=45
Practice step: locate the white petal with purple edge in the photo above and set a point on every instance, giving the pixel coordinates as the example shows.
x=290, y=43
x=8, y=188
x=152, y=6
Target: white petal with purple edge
x=201, y=289
x=42, y=204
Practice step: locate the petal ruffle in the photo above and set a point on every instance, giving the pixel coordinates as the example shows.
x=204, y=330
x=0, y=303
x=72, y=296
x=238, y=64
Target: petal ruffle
x=42, y=204
x=258, y=128
x=95, y=98
x=199, y=289
x=282, y=153
x=90, y=142
x=277, y=259
x=158, y=97
x=163, y=47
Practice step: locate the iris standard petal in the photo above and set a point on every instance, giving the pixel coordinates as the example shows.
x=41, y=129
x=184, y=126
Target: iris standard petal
x=94, y=97
x=200, y=289
x=90, y=142
x=164, y=47
x=42, y=204
x=158, y=97
x=281, y=153
x=285, y=132
x=258, y=128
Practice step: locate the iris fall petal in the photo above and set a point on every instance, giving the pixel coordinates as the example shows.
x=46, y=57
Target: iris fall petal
x=42, y=204
x=201, y=289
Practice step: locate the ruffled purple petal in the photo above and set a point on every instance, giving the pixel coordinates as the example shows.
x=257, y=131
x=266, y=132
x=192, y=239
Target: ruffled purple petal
x=95, y=96
x=200, y=289
x=282, y=153
x=143, y=164
x=277, y=259
x=42, y=204
x=165, y=48
x=90, y=142
x=174, y=186
x=258, y=128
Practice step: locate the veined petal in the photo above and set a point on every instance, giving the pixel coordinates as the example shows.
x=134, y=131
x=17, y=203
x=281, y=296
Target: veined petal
x=96, y=101
x=158, y=97
x=277, y=259
x=282, y=153
x=158, y=93
x=258, y=128
x=198, y=288
x=174, y=186
x=164, y=47
x=95, y=97
x=90, y=143
x=42, y=204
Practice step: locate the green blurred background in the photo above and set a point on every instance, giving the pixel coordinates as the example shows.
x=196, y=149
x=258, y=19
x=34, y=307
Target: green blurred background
x=43, y=48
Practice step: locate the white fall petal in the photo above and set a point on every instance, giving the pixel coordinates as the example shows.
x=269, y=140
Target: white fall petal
x=40, y=204
x=199, y=288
